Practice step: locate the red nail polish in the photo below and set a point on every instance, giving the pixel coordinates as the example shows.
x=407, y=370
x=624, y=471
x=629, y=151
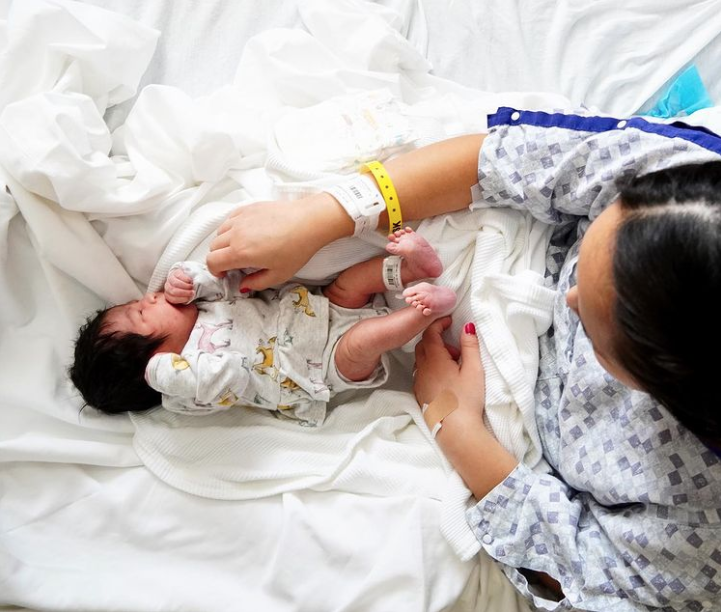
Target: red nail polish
x=244, y=289
x=470, y=328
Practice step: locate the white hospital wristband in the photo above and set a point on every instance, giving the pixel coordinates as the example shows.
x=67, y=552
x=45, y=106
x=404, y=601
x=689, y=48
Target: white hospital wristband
x=362, y=200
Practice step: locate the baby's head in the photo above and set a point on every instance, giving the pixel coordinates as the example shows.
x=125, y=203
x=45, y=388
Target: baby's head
x=114, y=347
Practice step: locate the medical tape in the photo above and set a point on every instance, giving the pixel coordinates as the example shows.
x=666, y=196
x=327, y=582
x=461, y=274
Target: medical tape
x=434, y=413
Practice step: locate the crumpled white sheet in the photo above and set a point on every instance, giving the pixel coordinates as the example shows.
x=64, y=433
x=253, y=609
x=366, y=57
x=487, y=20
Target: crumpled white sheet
x=494, y=260
x=86, y=226
x=91, y=215
x=612, y=55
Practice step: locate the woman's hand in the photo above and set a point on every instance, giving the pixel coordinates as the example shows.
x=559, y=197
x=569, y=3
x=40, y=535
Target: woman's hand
x=470, y=447
x=440, y=367
x=276, y=238
x=178, y=287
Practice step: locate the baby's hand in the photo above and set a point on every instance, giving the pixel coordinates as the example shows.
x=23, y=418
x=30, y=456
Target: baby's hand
x=179, y=287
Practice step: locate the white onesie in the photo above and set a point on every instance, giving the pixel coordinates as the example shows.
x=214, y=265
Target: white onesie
x=274, y=350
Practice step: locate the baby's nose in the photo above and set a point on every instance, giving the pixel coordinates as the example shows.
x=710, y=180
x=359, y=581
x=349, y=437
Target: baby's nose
x=151, y=298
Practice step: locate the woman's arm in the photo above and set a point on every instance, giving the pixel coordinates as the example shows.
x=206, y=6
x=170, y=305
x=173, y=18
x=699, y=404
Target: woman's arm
x=591, y=555
x=435, y=179
x=472, y=450
x=280, y=237
x=464, y=439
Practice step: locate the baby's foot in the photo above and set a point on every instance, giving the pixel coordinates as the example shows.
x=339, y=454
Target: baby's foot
x=419, y=258
x=430, y=299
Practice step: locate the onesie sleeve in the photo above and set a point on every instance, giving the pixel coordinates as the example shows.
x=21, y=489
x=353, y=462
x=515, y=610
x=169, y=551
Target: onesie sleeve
x=626, y=558
x=208, y=287
x=198, y=382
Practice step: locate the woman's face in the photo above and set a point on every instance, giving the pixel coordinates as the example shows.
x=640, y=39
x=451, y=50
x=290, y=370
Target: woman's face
x=594, y=295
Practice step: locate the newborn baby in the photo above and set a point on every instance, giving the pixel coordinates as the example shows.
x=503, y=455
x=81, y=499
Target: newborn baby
x=201, y=345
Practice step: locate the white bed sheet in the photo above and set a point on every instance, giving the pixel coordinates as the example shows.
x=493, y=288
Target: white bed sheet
x=615, y=56
x=84, y=526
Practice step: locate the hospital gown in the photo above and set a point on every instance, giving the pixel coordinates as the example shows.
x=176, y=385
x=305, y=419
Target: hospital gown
x=629, y=515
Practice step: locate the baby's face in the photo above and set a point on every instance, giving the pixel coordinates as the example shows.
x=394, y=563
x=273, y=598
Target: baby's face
x=153, y=315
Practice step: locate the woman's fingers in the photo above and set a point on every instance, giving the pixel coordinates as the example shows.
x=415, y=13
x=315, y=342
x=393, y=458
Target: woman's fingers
x=453, y=351
x=257, y=281
x=432, y=344
x=221, y=241
x=221, y=256
x=470, y=350
x=472, y=381
x=220, y=260
x=432, y=337
x=443, y=323
x=224, y=227
x=437, y=367
x=229, y=222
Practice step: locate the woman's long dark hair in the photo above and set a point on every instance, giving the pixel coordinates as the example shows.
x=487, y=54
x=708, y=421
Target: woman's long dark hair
x=667, y=275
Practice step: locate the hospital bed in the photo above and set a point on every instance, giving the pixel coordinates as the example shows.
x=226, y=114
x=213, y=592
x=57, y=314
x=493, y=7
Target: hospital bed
x=128, y=129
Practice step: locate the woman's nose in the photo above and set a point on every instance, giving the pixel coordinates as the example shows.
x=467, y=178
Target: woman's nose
x=572, y=299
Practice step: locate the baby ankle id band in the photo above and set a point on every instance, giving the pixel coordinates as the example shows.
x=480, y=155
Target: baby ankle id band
x=392, y=273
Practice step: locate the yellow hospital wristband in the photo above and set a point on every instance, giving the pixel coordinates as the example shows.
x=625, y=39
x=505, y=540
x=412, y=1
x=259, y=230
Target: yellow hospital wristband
x=388, y=191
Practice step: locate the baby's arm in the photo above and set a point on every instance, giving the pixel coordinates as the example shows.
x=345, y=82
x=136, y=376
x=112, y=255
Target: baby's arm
x=189, y=280
x=198, y=382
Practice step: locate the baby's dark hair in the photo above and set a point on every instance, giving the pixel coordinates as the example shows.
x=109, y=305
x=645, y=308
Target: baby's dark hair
x=109, y=367
x=667, y=275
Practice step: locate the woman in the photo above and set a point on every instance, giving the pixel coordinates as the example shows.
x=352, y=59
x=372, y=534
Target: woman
x=629, y=516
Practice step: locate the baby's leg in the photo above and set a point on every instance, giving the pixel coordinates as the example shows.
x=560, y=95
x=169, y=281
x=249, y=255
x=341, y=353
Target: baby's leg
x=355, y=286
x=360, y=348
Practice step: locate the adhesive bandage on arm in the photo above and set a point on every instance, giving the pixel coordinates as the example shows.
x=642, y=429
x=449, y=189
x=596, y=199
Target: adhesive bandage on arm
x=439, y=409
